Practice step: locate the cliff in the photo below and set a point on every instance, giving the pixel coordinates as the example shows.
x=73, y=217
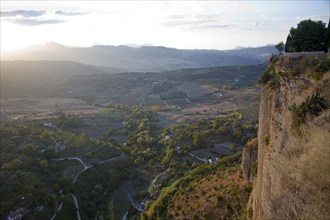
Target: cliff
x=293, y=178
x=249, y=160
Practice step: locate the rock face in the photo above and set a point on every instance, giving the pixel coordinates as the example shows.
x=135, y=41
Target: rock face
x=249, y=158
x=293, y=179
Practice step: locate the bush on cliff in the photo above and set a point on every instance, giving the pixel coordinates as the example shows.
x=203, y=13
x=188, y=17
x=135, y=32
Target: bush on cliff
x=312, y=106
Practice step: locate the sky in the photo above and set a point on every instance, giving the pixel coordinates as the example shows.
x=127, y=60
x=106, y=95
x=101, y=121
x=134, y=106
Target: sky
x=177, y=24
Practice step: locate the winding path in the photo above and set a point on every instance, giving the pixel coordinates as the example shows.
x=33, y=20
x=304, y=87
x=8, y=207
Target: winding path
x=57, y=209
x=139, y=204
x=152, y=184
x=76, y=204
x=115, y=158
x=198, y=158
x=187, y=100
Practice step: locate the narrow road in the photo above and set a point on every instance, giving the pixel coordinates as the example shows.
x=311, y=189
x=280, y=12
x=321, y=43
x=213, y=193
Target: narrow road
x=76, y=204
x=115, y=158
x=57, y=209
x=187, y=100
x=190, y=102
x=139, y=204
x=80, y=172
x=73, y=158
x=125, y=216
x=152, y=184
x=198, y=158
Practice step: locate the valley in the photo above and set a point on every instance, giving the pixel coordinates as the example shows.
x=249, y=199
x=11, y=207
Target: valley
x=165, y=110
x=135, y=133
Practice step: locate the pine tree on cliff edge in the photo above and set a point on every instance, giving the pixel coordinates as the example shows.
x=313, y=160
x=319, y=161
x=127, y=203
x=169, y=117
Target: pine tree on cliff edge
x=327, y=39
x=308, y=36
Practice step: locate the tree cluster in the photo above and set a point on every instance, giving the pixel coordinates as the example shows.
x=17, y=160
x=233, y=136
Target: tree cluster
x=307, y=37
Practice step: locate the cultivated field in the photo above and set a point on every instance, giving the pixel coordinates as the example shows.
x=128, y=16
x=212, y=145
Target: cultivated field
x=26, y=109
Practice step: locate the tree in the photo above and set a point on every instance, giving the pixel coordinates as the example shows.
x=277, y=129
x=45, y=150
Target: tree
x=111, y=210
x=12, y=165
x=232, y=147
x=43, y=164
x=170, y=153
x=50, y=199
x=280, y=47
x=327, y=40
x=197, y=140
x=308, y=36
x=29, y=150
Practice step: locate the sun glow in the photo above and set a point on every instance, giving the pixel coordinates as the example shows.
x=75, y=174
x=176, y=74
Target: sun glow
x=193, y=25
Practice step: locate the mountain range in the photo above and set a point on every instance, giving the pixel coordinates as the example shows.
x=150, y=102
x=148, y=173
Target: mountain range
x=144, y=58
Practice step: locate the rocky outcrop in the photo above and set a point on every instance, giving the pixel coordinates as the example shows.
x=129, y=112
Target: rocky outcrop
x=293, y=179
x=249, y=160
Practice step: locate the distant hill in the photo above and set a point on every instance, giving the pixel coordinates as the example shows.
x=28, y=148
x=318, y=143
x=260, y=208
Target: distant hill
x=30, y=77
x=68, y=79
x=145, y=58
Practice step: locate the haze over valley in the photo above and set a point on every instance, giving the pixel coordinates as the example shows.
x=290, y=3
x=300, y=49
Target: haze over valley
x=227, y=117
x=145, y=58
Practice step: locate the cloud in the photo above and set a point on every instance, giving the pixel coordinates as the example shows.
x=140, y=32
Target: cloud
x=314, y=17
x=33, y=22
x=198, y=21
x=35, y=18
x=22, y=13
x=68, y=13
x=258, y=23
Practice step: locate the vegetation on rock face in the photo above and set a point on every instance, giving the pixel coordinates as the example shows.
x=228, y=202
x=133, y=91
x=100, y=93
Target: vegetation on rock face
x=321, y=67
x=290, y=67
x=308, y=36
x=269, y=76
x=313, y=66
x=208, y=192
x=267, y=139
x=312, y=106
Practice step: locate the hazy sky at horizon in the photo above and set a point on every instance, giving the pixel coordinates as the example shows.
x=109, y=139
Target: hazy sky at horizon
x=179, y=24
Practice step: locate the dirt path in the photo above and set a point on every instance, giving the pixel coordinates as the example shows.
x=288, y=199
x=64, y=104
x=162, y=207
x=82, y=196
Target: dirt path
x=139, y=204
x=76, y=204
x=198, y=158
x=152, y=184
x=115, y=158
x=75, y=200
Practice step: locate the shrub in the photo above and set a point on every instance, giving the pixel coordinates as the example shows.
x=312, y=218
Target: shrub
x=312, y=106
x=274, y=58
x=322, y=67
x=254, y=168
x=267, y=139
x=268, y=75
x=297, y=116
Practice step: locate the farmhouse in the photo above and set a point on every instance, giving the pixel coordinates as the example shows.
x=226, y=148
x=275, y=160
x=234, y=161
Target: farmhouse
x=218, y=94
x=48, y=124
x=59, y=146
